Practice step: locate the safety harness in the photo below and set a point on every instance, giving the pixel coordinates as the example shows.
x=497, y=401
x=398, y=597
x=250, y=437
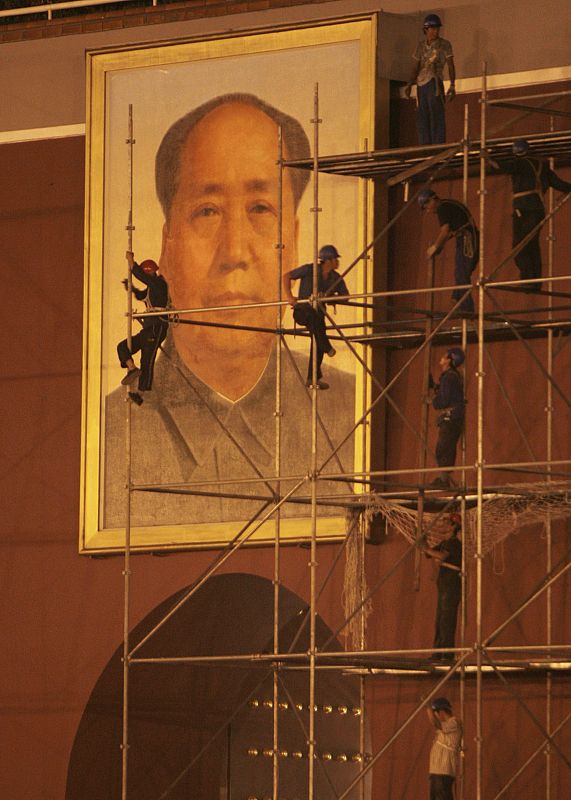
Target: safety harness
x=538, y=190
x=468, y=231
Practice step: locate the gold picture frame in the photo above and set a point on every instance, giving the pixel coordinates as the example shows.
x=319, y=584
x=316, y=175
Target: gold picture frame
x=162, y=82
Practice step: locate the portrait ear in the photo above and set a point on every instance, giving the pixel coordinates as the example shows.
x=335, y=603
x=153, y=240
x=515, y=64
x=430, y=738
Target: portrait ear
x=164, y=259
x=295, y=239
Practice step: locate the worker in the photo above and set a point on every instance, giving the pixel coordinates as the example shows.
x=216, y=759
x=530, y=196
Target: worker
x=531, y=177
x=448, y=555
x=447, y=397
x=443, y=765
x=329, y=282
x=456, y=222
x=430, y=58
x=154, y=331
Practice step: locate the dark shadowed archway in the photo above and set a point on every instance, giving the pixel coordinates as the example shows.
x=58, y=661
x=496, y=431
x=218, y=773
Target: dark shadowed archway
x=178, y=711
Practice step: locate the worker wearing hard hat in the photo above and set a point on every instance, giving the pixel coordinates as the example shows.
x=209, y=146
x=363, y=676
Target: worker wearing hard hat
x=531, y=177
x=456, y=222
x=445, y=749
x=430, y=58
x=448, y=399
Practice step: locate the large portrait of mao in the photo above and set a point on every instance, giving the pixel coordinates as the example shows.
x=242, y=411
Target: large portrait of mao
x=211, y=426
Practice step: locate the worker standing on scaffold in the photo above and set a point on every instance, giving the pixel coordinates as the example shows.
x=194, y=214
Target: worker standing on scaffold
x=443, y=764
x=154, y=331
x=329, y=281
x=531, y=177
x=448, y=398
x=448, y=555
x=430, y=57
x=456, y=222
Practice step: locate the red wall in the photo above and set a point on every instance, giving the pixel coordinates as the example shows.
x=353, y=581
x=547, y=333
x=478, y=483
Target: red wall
x=62, y=613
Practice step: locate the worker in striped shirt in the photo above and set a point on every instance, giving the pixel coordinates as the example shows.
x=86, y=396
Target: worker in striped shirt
x=445, y=749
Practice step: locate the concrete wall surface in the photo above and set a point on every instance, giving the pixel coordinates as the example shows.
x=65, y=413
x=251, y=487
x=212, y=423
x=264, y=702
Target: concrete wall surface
x=44, y=79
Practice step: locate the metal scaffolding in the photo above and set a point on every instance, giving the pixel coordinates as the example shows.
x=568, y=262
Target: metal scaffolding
x=414, y=329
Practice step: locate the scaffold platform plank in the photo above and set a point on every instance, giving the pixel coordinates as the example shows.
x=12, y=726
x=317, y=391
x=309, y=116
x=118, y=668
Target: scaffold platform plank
x=409, y=338
x=384, y=164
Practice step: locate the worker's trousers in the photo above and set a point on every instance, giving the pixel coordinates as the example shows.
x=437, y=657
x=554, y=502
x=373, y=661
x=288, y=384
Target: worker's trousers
x=148, y=341
x=441, y=787
x=528, y=260
x=446, y=615
x=430, y=117
x=314, y=321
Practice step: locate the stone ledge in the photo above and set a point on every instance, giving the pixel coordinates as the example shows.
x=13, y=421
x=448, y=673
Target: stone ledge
x=23, y=29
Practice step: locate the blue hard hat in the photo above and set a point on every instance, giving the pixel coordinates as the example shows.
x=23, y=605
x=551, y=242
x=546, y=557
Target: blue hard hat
x=432, y=21
x=441, y=704
x=520, y=147
x=425, y=196
x=328, y=251
x=456, y=356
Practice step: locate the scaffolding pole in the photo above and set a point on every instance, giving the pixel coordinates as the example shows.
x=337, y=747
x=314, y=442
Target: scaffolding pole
x=549, y=456
x=313, y=470
x=277, y=489
x=313, y=659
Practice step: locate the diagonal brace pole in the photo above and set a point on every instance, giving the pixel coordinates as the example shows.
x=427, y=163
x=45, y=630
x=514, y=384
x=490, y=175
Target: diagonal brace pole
x=404, y=725
x=403, y=369
x=379, y=385
x=516, y=695
x=520, y=245
x=552, y=577
x=386, y=576
x=319, y=419
x=546, y=374
x=235, y=545
x=306, y=610
x=447, y=156
x=531, y=758
x=510, y=406
x=213, y=738
x=306, y=734
x=219, y=422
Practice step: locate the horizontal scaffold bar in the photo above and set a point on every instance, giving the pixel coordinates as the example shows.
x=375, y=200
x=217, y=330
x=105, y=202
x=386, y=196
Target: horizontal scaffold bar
x=386, y=163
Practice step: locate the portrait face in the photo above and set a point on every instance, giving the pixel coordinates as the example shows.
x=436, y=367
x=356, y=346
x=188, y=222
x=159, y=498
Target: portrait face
x=219, y=241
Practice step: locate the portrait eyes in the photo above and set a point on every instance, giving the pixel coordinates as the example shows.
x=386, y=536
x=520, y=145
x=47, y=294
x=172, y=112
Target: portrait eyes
x=209, y=218
x=203, y=212
x=261, y=207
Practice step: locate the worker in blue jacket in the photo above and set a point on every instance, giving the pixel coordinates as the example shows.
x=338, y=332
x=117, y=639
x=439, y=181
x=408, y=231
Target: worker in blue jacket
x=329, y=283
x=448, y=398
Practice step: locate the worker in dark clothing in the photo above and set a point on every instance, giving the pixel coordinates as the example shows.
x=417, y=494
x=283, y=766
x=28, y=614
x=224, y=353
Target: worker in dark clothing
x=329, y=283
x=448, y=554
x=154, y=330
x=531, y=177
x=456, y=222
x=448, y=398
x=430, y=58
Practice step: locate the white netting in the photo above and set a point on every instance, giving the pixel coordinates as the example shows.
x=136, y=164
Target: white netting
x=355, y=582
x=516, y=506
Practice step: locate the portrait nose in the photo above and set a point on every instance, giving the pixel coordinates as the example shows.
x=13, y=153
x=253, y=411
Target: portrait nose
x=234, y=242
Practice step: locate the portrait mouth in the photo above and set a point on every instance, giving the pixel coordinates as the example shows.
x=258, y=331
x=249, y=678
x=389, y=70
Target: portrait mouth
x=232, y=299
